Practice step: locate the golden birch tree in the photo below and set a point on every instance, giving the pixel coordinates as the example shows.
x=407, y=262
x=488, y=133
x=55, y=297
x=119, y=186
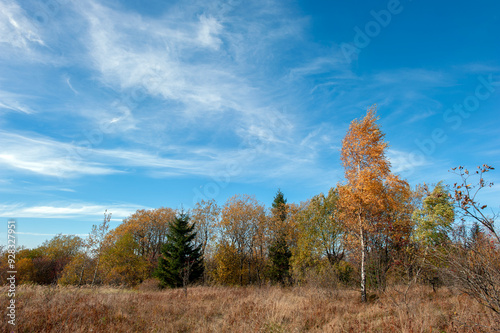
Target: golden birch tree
x=366, y=168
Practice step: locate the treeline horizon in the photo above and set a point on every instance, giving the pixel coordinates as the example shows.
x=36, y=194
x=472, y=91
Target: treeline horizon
x=368, y=232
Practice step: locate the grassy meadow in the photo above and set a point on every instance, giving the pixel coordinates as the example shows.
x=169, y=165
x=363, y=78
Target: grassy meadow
x=245, y=309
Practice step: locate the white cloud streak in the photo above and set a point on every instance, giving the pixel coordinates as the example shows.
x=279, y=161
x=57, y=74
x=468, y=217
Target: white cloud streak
x=406, y=162
x=48, y=157
x=43, y=156
x=11, y=102
x=67, y=210
x=165, y=68
x=203, y=65
x=16, y=30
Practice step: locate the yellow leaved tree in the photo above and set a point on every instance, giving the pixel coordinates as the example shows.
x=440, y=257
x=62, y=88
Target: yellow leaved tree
x=244, y=227
x=149, y=230
x=363, y=200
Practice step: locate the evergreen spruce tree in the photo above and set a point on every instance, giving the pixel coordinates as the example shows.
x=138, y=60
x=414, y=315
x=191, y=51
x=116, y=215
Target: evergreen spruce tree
x=279, y=205
x=279, y=253
x=180, y=262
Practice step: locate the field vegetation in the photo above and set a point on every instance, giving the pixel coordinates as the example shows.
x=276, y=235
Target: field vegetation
x=246, y=309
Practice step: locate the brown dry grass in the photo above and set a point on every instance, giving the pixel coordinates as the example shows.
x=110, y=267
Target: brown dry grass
x=247, y=309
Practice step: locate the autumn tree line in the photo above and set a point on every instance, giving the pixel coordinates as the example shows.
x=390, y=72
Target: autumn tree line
x=371, y=231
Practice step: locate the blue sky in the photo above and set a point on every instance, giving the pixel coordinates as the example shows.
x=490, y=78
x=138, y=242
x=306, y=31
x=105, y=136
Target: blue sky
x=124, y=105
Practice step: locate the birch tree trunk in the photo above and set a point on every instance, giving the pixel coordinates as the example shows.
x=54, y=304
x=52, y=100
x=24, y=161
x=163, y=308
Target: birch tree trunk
x=96, y=268
x=363, y=266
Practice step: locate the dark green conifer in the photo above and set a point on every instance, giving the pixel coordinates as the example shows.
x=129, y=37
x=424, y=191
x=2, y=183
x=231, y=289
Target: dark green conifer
x=279, y=253
x=180, y=263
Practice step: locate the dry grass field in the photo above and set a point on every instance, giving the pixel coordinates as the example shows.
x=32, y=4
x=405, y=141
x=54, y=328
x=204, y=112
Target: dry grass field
x=244, y=309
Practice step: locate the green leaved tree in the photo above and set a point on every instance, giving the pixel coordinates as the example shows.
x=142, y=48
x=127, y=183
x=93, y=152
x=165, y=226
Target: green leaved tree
x=181, y=261
x=434, y=220
x=433, y=225
x=320, y=245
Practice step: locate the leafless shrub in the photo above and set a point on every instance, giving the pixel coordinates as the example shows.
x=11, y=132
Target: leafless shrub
x=474, y=266
x=472, y=261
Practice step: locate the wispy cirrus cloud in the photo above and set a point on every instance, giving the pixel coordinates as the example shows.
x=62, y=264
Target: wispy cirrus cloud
x=200, y=62
x=13, y=102
x=43, y=156
x=65, y=210
x=166, y=69
x=199, y=75
x=16, y=30
x=403, y=162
